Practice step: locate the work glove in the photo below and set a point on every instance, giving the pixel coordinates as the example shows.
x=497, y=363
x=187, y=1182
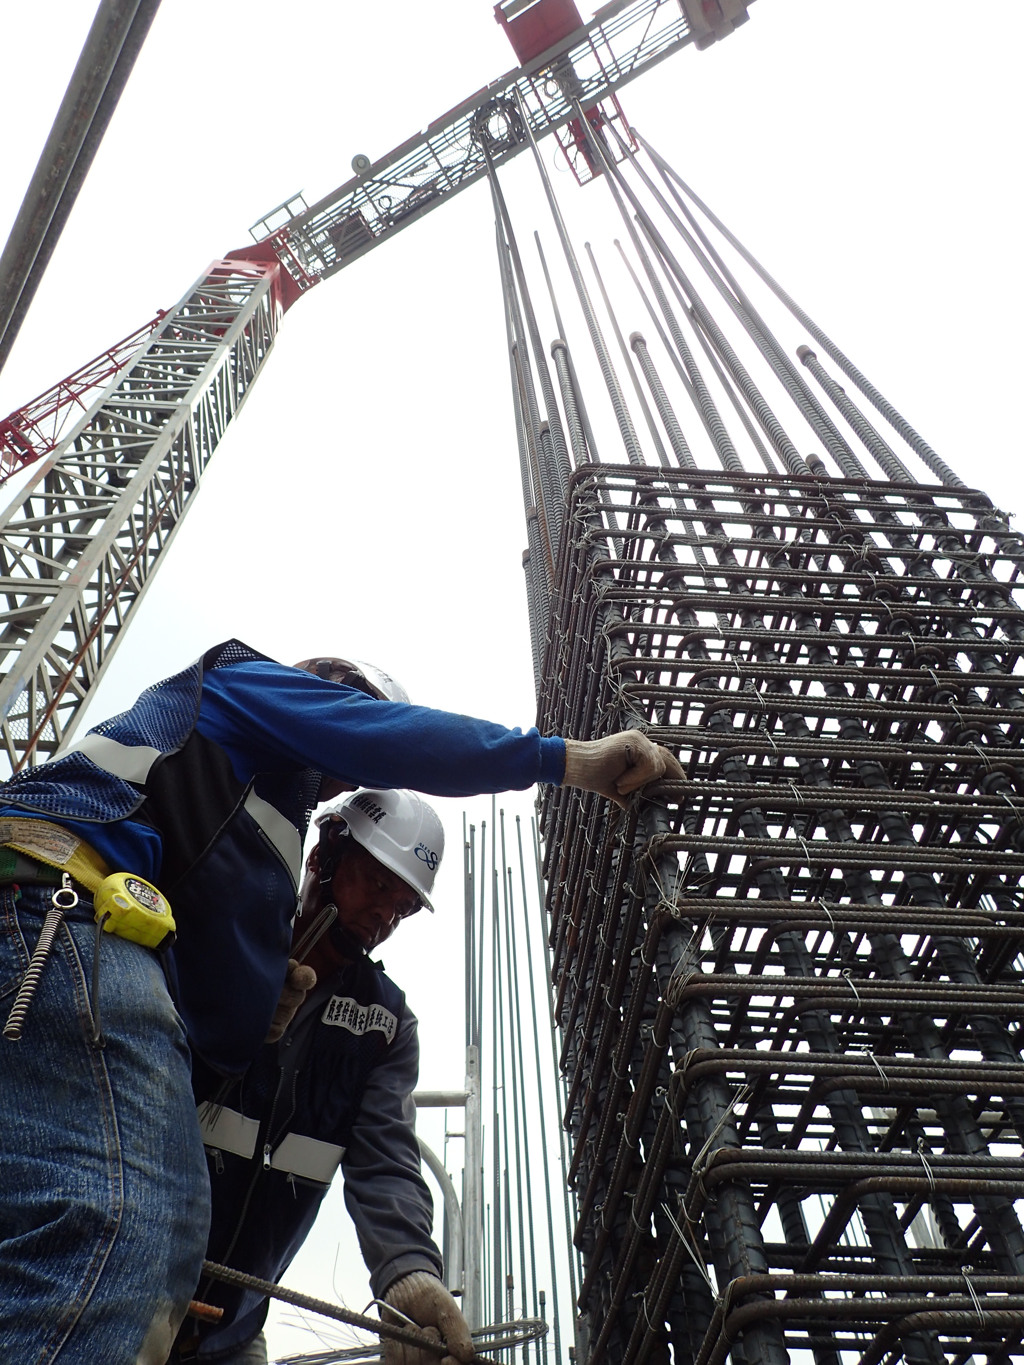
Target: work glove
x=617, y=765
x=423, y=1298
x=297, y=985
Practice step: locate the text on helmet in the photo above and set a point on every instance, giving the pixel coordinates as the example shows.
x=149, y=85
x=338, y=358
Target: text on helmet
x=369, y=808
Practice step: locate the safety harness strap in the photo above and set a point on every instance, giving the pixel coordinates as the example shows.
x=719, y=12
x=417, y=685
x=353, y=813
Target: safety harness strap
x=55, y=846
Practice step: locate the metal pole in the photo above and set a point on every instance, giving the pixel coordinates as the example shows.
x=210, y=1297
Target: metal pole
x=454, y=1226
x=473, y=1195
x=534, y=1014
x=106, y=61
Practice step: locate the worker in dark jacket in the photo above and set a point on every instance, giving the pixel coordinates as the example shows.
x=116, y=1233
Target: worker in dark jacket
x=202, y=789
x=336, y=1089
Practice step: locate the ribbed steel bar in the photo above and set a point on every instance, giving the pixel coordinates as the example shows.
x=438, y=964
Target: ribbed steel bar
x=541, y=1088
x=703, y=318
x=582, y=441
x=622, y=417
x=540, y=480
x=933, y=461
x=701, y=394
x=745, y=312
x=560, y=467
x=508, y=1254
x=641, y=397
x=884, y=454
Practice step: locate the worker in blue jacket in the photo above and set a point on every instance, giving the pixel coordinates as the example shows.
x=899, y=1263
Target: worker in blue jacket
x=335, y=1090
x=202, y=789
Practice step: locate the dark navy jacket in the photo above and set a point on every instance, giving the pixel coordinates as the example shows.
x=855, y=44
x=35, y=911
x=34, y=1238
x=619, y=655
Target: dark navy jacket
x=336, y=1089
x=205, y=787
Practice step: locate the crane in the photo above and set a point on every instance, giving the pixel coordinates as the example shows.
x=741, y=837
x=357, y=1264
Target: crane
x=82, y=538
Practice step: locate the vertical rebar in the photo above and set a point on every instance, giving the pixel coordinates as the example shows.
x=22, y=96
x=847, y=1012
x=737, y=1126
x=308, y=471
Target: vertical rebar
x=618, y=402
x=750, y=319
x=883, y=453
x=934, y=462
x=560, y=467
x=641, y=397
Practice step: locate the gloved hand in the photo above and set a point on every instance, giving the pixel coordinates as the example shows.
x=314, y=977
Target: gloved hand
x=423, y=1298
x=297, y=985
x=617, y=765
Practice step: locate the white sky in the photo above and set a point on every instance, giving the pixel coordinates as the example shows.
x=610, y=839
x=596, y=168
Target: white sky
x=367, y=500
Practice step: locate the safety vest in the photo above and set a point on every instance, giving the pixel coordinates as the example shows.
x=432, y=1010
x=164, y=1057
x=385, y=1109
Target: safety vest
x=231, y=850
x=280, y=1132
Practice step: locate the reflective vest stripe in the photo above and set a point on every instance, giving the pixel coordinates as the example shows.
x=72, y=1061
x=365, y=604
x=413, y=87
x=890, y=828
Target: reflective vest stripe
x=228, y=1130
x=130, y=762
x=296, y=1154
x=307, y=1157
x=285, y=838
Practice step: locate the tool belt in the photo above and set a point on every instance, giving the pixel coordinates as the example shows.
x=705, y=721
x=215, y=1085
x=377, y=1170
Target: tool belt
x=37, y=853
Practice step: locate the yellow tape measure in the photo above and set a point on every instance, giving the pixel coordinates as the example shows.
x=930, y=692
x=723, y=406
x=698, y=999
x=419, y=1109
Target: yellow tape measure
x=131, y=908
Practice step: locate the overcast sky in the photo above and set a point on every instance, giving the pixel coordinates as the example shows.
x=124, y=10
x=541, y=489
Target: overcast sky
x=367, y=500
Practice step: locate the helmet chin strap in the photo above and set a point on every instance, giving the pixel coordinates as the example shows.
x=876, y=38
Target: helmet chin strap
x=342, y=940
x=327, y=857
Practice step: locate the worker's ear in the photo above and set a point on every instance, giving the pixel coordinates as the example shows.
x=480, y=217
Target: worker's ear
x=313, y=861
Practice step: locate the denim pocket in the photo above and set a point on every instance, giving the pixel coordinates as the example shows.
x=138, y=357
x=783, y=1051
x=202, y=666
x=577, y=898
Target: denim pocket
x=100, y=1149
x=14, y=951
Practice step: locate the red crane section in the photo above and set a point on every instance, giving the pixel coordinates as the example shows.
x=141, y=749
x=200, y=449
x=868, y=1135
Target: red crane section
x=534, y=26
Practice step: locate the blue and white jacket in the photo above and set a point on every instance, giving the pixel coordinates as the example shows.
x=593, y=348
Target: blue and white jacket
x=205, y=787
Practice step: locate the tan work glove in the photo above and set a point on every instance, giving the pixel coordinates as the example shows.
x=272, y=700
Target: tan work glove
x=617, y=765
x=297, y=985
x=423, y=1298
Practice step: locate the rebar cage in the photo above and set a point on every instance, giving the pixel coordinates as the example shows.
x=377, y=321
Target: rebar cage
x=789, y=986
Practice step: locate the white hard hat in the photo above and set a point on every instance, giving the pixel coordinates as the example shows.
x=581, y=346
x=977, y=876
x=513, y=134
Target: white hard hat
x=397, y=828
x=356, y=673
x=387, y=687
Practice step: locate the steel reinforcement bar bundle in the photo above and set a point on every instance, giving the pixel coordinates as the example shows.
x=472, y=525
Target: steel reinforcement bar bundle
x=788, y=985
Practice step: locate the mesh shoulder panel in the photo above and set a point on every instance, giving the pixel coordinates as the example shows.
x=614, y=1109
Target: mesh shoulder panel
x=232, y=652
x=165, y=713
x=162, y=717
x=73, y=787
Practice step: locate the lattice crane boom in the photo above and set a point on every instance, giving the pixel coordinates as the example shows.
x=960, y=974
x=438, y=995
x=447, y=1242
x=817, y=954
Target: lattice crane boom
x=593, y=61
x=81, y=541
x=79, y=544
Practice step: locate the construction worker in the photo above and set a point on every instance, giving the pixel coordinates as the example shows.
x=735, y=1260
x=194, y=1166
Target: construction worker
x=347, y=1067
x=202, y=789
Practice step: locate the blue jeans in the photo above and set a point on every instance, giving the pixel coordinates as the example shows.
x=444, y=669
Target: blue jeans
x=104, y=1201
x=253, y=1354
